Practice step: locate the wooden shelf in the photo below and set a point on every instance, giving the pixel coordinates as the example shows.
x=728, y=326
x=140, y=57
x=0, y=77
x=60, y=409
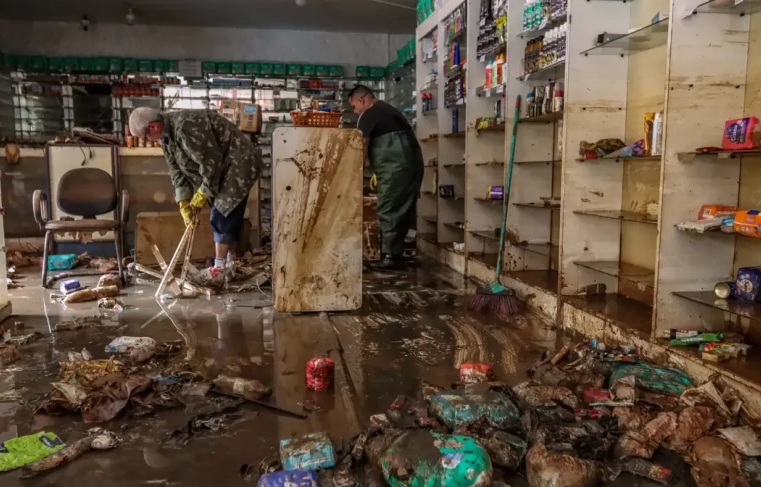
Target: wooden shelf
x=485, y=234
x=546, y=118
x=537, y=248
x=455, y=226
x=540, y=205
x=490, y=163
x=629, y=272
x=619, y=159
x=486, y=200
x=520, y=163
x=494, y=128
x=454, y=135
x=459, y=164
x=625, y=312
x=430, y=219
x=489, y=260
x=720, y=154
x=737, y=307
x=629, y=216
x=546, y=280
x=427, y=236
x=428, y=193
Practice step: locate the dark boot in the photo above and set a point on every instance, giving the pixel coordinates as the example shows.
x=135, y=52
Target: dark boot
x=391, y=263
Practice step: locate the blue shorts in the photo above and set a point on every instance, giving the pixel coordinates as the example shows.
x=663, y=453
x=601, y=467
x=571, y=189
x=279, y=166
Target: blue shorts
x=227, y=228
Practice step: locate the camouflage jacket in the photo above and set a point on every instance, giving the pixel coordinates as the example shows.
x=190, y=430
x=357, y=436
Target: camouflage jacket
x=206, y=151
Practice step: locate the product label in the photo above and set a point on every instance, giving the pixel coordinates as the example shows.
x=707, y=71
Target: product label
x=736, y=132
x=239, y=386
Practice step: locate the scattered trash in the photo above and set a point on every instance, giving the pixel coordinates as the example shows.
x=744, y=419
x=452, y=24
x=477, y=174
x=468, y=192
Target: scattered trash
x=311, y=452
x=109, y=280
x=94, y=294
x=82, y=356
x=296, y=478
x=8, y=354
x=212, y=421
x=77, y=324
x=133, y=349
x=532, y=395
x=87, y=372
x=472, y=373
x=462, y=407
x=21, y=451
x=110, y=304
x=693, y=423
x=319, y=373
x=744, y=439
x=642, y=443
x=548, y=469
x=715, y=464
x=20, y=340
x=97, y=438
x=643, y=468
x=62, y=262
x=658, y=379
x=247, y=388
x=69, y=286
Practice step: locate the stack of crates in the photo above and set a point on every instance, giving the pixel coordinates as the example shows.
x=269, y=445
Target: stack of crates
x=424, y=10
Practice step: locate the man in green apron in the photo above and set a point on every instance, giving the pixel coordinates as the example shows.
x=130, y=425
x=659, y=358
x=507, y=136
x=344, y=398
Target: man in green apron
x=396, y=158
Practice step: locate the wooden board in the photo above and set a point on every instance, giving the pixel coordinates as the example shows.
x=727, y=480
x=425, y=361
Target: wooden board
x=166, y=229
x=371, y=237
x=317, y=219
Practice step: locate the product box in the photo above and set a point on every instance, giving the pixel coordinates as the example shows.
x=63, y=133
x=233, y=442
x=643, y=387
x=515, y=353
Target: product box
x=716, y=211
x=102, y=64
x=209, y=67
x=266, y=68
x=322, y=70
x=229, y=110
x=116, y=65
x=335, y=71
x=377, y=72
x=56, y=63
x=278, y=69
x=161, y=65
x=308, y=70
x=145, y=66
x=250, y=117
x=130, y=65
x=173, y=66
x=748, y=223
x=87, y=64
x=224, y=68
x=362, y=72
x=293, y=70
x=252, y=68
x=238, y=68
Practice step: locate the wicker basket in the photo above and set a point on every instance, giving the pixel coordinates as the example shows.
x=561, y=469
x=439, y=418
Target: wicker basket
x=316, y=119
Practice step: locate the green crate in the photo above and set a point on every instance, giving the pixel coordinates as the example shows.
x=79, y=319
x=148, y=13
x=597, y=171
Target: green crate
x=161, y=65
x=335, y=71
x=322, y=70
x=308, y=70
x=252, y=68
x=293, y=70
x=172, y=66
x=10, y=61
x=208, y=67
x=377, y=72
x=145, y=66
x=362, y=72
x=71, y=64
x=87, y=64
x=115, y=65
x=130, y=65
x=39, y=64
x=101, y=64
x=56, y=63
x=278, y=69
x=24, y=63
x=224, y=68
x=238, y=68
x=266, y=68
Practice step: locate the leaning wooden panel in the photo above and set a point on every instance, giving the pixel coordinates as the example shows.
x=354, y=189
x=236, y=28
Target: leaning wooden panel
x=317, y=219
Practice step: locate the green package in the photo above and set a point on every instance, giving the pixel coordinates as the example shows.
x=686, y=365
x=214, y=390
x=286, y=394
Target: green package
x=28, y=449
x=696, y=340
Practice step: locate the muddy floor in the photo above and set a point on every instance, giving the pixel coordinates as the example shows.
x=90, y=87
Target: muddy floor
x=413, y=326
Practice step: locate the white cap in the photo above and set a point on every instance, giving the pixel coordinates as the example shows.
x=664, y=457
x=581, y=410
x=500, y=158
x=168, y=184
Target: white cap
x=140, y=118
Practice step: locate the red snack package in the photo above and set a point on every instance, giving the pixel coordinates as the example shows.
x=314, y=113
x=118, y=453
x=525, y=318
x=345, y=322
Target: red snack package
x=474, y=372
x=319, y=373
x=741, y=133
x=593, y=394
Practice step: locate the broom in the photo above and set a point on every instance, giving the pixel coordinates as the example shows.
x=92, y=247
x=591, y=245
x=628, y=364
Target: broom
x=498, y=298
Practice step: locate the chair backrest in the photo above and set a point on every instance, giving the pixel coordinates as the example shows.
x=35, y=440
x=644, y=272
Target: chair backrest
x=86, y=192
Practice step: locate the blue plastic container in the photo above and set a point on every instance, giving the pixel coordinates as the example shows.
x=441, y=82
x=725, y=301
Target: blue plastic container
x=749, y=284
x=311, y=452
x=463, y=407
x=62, y=262
x=296, y=478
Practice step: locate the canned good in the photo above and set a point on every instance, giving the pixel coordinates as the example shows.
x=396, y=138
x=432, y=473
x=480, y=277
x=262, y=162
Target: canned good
x=319, y=373
x=725, y=290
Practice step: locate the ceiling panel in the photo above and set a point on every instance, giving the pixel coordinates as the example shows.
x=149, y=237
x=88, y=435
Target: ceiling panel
x=329, y=15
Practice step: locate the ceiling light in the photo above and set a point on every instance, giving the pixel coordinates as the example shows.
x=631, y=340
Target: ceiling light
x=301, y=3
x=130, y=17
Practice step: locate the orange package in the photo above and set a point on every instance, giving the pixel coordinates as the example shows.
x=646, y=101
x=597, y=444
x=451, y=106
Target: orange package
x=748, y=223
x=716, y=211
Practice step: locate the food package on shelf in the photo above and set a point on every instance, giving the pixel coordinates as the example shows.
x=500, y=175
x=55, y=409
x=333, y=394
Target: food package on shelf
x=741, y=133
x=748, y=223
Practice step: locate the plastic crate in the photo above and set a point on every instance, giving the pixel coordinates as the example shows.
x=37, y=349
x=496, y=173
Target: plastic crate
x=71, y=64
x=161, y=65
x=266, y=68
x=102, y=64
x=308, y=70
x=252, y=68
x=293, y=70
x=335, y=71
x=115, y=65
x=238, y=68
x=172, y=66
x=87, y=64
x=224, y=68
x=278, y=69
x=362, y=72
x=209, y=67
x=10, y=61
x=56, y=64
x=39, y=64
x=130, y=65
x=145, y=66
x=377, y=72
x=322, y=70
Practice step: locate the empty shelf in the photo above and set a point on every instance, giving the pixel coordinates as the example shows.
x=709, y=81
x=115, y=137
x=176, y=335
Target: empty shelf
x=620, y=215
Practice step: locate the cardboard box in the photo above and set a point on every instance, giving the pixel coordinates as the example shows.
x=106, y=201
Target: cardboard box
x=229, y=110
x=250, y=117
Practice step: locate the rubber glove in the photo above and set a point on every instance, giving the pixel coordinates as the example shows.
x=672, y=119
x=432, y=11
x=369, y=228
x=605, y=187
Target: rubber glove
x=187, y=213
x=373, y=183
x=199, y=200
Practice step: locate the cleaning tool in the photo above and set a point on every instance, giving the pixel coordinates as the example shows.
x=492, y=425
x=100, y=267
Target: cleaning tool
x=498, y=298
x=186, y=243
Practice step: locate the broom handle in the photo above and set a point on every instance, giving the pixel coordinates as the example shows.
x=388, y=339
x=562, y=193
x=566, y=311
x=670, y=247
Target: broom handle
x=508, y=181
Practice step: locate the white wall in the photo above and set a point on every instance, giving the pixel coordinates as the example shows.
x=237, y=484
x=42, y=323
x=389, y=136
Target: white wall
x=202, y=43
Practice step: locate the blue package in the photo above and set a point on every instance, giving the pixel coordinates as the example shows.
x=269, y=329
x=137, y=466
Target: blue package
x=296, y=478
x=62, y=262
x=311, y=452
x=748, y=284
x=463, y=407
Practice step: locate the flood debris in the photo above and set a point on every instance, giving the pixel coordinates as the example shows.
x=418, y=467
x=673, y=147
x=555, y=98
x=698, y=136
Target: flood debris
x=310, y=452
x=96, y=439
x=17, y=452
x=77, y=324
x=8, y=354
x=715, y=463
x=132, y=349
x=94, y=294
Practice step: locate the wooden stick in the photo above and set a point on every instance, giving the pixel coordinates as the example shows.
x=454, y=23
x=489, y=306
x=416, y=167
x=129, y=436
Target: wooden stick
x=173, y=262
x=188, y=285
x=188, y=251
x=162, y=263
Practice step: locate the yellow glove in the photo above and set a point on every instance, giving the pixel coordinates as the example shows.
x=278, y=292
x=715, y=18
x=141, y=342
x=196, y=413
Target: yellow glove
x=373, y=183
x=199, y=200
x=187, y=213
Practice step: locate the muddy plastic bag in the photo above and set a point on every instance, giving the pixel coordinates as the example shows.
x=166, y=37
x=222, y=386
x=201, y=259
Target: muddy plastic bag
x=547, y=469
x=17, y=452
x=533, y=395
x=715, y=463
x=133, y=349
x=659, y=379
x=632, y=418
x=111, y=396
x=461, y=407
x=744, y=439
x=422, y=458
x=109, y=280
x=310, y=452
x=709, y=395
x=642, y=443
x=296, y=478
x=505, y=450
x=694, y=422
x=8, y=354
x=87, y=372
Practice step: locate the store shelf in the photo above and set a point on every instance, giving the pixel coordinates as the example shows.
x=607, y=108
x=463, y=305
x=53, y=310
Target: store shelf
x=429, y=86
x=620, y=159
x=542, y=72
x=521, y=163
x=489, y=260
x=490, y=163
x=428, y=193
x=456, y=197
x=546, y=25
x=450, y=246
x=427, y=236
x=500, y=48
x=546, y=118
x=540, y=205
x=627, y=313
x=458, y=164
x=628, y=272
x=494, y=128
x=429, y=113
x=719, y=154
x=546, y=279
x=486, y=200
x=430, y=138
x=545, y=249
x=454, y=71
x=629, y=216
x=737, y=307
x=485, y=234
x=454, y=135
x=455, y=226
x=483, y=92
x=742, y=7
x=643, y=39
x=430, y=219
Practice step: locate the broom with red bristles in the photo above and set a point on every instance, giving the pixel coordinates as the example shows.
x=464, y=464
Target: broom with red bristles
x=498, y=298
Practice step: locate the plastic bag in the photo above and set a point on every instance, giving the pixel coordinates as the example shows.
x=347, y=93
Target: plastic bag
x=505, y=450
x=135, y=349
x=547, y=469
x=17, y=452
x=310, y=452
x=694, y=422
x=110, y=280
x=744, y=439
x=535, y=395
x=659, y=379
x=296, y=478
x=422, y=458
x=715, y=464
x=642, y=443
x=462, y=407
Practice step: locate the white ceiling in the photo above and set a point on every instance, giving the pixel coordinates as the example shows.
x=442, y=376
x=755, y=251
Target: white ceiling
x=328, y=15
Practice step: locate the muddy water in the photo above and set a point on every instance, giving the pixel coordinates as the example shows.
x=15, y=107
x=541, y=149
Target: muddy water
x=413, y=326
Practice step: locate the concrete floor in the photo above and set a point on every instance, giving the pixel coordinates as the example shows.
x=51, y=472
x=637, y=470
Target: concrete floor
x=412, y=327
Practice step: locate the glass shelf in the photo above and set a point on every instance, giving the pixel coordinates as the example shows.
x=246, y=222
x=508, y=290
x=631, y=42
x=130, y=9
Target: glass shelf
x=743, y=7
x=543, y=72
x=643, y=39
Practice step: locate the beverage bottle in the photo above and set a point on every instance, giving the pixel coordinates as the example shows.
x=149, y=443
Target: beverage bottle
x=248, y=388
